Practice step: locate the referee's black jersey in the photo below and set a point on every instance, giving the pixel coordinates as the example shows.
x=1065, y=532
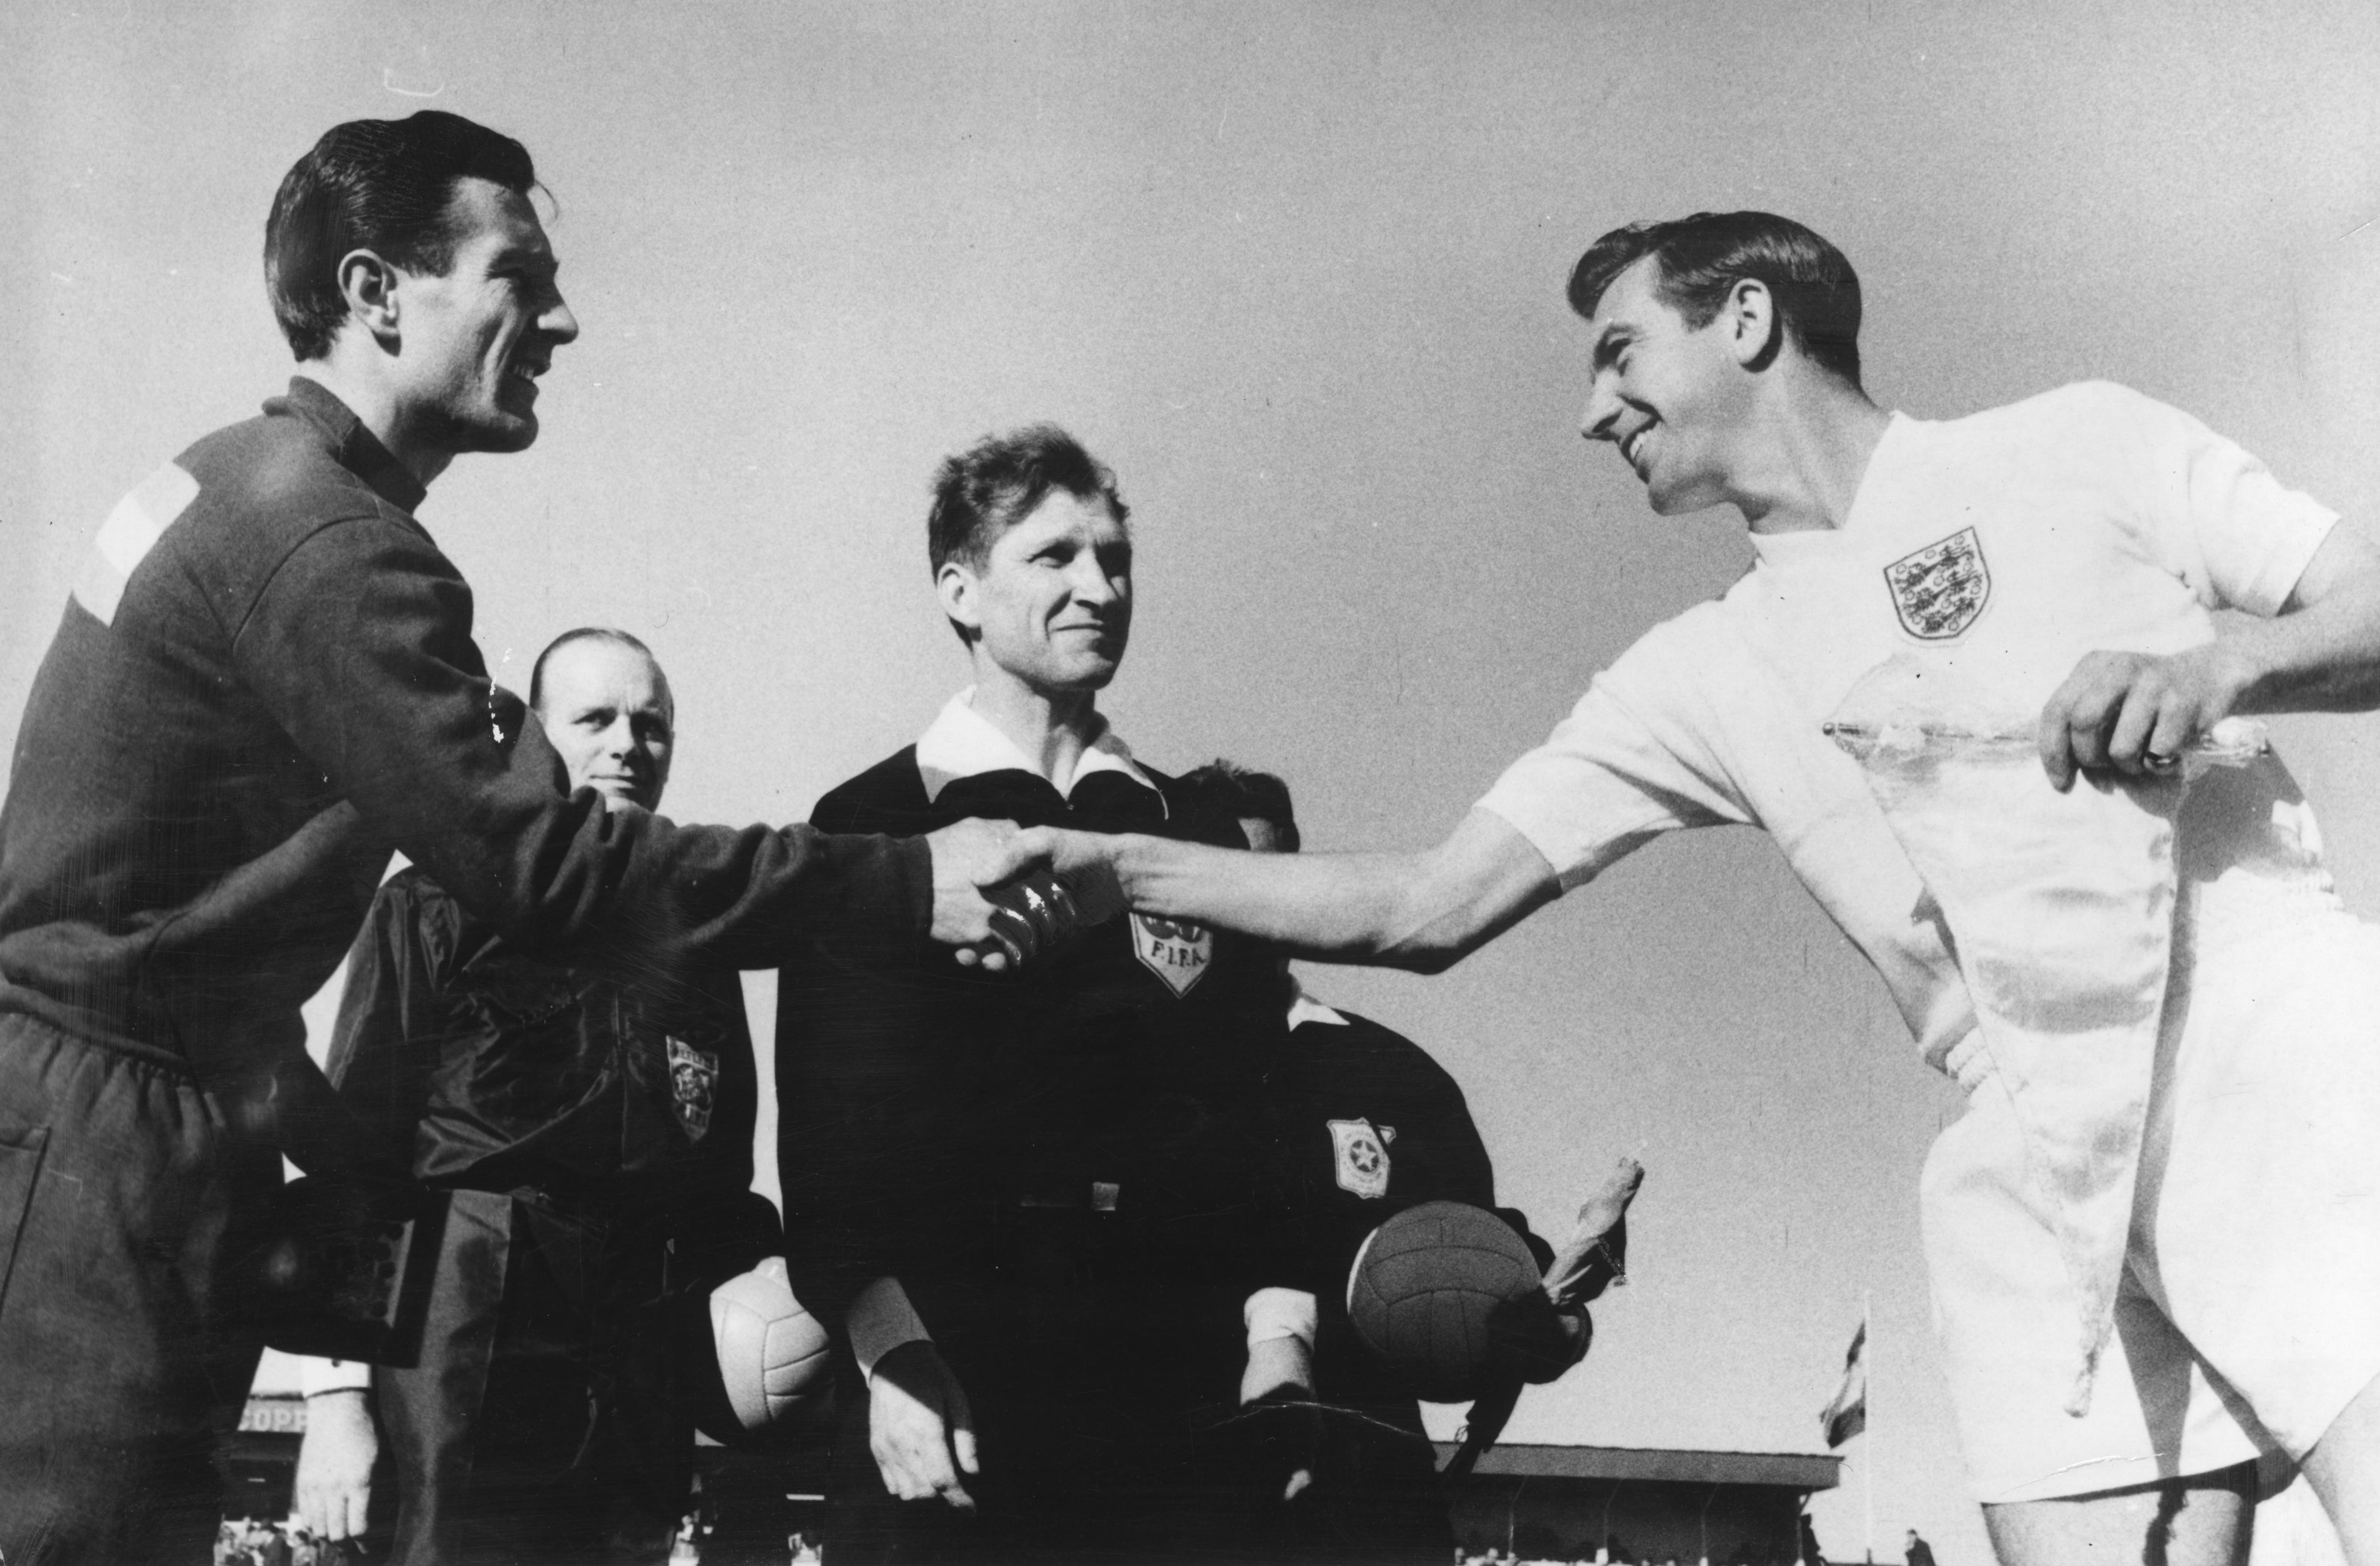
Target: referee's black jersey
x=923, y=1105
x=1376, y=1126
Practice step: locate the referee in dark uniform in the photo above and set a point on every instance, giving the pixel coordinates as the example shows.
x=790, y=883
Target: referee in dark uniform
x=1044, y=1202
x=264, y=683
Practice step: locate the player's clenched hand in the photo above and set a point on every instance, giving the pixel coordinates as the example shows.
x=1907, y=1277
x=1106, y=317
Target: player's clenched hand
x=968, y=856
x=2135, y=711
x=333, y=1490
x=919, y=1426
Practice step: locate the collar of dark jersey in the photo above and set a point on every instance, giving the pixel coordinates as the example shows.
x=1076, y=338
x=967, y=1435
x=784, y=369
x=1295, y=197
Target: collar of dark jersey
x=358, y=449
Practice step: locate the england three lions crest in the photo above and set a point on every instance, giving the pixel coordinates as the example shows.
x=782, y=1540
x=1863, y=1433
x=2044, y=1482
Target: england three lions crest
x=1175, y=950
x=1938, y=591
x=694, y=1086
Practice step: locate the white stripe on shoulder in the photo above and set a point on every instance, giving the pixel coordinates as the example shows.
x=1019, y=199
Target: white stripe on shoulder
x=130, y=532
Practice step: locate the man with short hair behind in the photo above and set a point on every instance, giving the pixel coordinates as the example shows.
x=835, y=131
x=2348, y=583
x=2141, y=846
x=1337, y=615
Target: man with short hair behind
x=2155, y=1235
x=264, y=683
x=589, y=1129
x=1044, y=1204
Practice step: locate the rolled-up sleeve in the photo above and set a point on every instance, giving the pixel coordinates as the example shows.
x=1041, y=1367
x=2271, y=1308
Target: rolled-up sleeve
x=1610, y=778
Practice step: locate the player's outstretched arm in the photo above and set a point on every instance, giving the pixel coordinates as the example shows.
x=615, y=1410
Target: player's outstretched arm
x=2134, y=711
x=1423, y=911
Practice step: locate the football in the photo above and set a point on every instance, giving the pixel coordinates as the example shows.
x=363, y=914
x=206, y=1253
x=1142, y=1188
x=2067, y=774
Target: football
x=1422, y=1288
x=773, y=1354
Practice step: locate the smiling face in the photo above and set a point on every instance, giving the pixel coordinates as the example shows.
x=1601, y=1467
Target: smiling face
x=1051, y=607
x=606, y=709
x=471, y=343
x=1671, y=397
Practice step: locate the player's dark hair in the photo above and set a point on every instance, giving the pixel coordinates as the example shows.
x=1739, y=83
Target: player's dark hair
x=1700, y=257
x=1228, y=789
x=380, y=185
x=995, y=484
x=584, y=632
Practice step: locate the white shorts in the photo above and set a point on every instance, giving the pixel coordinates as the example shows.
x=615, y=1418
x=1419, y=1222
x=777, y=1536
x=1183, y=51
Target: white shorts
x=2250, y=1313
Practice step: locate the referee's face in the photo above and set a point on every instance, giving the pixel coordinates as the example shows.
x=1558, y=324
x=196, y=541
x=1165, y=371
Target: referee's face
x=1052, y=602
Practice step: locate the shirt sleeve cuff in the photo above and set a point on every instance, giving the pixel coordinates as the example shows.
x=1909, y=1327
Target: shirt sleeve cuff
x=879, y=1319
x=316, y=1376
x=1281, y=1312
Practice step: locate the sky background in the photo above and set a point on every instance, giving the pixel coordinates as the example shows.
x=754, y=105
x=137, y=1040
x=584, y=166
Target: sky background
x=1295, y=272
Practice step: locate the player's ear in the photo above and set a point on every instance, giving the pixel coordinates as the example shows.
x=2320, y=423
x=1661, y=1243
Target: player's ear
x=368, y=283
x=956, y=585
x=1754, y=331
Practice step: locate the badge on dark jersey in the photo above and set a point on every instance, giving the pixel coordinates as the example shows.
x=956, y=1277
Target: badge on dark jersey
x=1363, y=1157
x=694, y=1084
x=1938, y=591
x=1175, y=950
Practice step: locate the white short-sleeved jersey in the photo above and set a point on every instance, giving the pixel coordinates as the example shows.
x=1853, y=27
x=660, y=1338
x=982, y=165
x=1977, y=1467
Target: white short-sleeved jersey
x=2004, y=547
x=2090, y=517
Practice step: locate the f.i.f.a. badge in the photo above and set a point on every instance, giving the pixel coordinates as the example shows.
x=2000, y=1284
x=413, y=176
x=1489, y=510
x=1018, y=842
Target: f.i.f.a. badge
x=1938, y=591
x=1175, y=950
x=694, y=1086
x=1363, y=1157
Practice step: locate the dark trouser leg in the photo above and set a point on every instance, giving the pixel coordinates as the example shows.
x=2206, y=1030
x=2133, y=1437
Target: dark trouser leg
x=430, y=1411
x=541, y=1425
x=119, y=1369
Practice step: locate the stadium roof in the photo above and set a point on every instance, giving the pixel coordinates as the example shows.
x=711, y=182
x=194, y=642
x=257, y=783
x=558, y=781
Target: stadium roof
x=1784, y=1470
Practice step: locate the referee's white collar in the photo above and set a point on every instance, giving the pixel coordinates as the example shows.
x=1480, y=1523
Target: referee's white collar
x=1304, y=1008
x=962, y=743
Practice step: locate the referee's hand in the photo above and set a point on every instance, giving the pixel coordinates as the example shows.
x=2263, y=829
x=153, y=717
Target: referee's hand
x=968, y=856
x=919, y=1426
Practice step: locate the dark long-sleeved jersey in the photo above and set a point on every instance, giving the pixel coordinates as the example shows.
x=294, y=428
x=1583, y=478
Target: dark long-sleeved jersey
x=499, y=1070
x=264, y=681
x=924, y=1104
x=1376, y=1126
